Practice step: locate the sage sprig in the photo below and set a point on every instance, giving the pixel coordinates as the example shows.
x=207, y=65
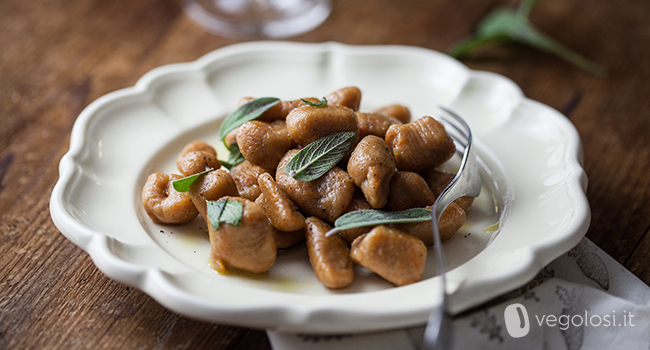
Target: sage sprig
x=372, y=217
x=235, y=157
x=321, y=103
x=318, y=157
x=183, y=185
x=224, y=210
x=247, y=112
x=508, y=25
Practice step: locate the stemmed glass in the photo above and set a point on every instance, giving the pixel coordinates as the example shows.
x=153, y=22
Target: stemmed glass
x=247, y=19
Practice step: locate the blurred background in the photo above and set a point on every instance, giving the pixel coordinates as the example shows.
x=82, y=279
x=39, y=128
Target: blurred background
x=56, y=56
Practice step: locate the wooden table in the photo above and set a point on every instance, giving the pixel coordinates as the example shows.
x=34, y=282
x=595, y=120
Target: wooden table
x=56, y=56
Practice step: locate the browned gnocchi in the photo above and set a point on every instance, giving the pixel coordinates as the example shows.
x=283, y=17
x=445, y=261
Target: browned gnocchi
x=249, y=246
x=394, y=255
x=245, y=176
x=325, y=198
x=372, y=167
x=164, y=204
x=390, y=164
x=264, y=144
x=196, y=157
x=307, y=124
x=420, y=145
x=329, y=256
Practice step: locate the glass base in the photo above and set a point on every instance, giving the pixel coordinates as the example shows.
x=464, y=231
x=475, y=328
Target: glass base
x=247, y=19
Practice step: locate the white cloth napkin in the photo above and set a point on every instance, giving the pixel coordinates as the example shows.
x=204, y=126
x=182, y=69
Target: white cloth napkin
x=582, y=300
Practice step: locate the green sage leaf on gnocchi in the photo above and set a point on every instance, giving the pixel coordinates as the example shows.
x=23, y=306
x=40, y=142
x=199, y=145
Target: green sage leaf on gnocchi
x=183, y=185
x=234, y=158
x=224, y=210
x=245, y=113
x=372, y=217
x=321, y=103
x=318, y=157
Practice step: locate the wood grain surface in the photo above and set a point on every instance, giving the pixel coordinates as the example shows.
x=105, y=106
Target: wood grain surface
x=56, y=56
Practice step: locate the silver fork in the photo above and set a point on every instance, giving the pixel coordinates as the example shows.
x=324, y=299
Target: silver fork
x=467, y=182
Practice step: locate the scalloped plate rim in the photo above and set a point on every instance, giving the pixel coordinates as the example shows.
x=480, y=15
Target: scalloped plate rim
x=97, y=244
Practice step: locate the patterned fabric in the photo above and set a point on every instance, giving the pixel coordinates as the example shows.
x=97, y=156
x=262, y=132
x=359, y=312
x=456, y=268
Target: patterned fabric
x=593, y=303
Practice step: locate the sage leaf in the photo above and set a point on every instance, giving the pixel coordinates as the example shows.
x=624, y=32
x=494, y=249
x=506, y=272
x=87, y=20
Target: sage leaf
x=183, y=185
x=318, y=157
x=321, y=103
x=246, y=113
x=372, y=217
x=214, y=209
x=232, y=213
x=509, y=25
x=224, y=210
x=234, y=158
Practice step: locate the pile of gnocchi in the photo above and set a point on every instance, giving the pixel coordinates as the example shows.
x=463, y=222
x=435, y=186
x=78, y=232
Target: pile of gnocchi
x=392, y=165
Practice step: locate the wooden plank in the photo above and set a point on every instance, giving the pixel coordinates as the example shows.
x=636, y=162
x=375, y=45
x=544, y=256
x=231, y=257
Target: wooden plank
x=639, y=261
x=606, y=111
x=57, y=56
x=49, y=286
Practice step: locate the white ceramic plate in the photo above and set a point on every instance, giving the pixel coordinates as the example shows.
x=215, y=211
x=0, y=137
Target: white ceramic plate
x=532, y=208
